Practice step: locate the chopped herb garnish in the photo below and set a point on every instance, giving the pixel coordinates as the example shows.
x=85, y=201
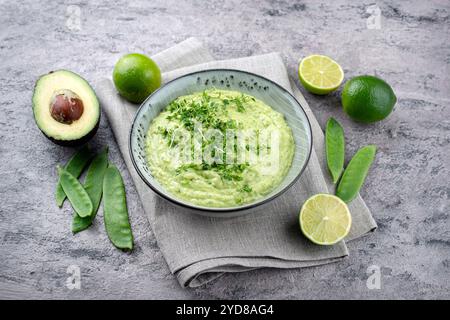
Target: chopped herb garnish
x=208, y=110
x=230, y=172
x=239, y=102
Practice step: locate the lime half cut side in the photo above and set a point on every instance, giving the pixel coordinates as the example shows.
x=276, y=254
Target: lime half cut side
x=325, y=219
x=320, y=74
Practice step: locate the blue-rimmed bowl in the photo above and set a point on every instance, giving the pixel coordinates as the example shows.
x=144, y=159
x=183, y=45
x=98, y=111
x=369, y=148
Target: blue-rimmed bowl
x=261, y=88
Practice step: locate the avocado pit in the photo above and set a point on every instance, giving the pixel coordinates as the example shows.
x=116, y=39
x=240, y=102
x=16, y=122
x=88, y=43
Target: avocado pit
x=66, y=106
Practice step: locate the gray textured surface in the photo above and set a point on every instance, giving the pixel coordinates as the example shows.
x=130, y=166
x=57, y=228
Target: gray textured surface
x=407, y=190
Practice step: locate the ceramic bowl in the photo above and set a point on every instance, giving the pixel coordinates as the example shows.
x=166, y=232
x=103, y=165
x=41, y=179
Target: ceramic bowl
x=261, y=88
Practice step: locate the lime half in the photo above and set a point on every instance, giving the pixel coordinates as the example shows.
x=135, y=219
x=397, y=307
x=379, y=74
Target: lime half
x=325, y=219
x=320, y=74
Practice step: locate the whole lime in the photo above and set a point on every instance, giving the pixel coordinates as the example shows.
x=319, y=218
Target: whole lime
x=368, y=99
x=136, y=76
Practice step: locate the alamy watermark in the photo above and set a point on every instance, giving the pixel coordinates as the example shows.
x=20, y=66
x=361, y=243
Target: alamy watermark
x=374, y=280
x=74, y=280
x=374, y=19
x=73, y=15
x=213, y=147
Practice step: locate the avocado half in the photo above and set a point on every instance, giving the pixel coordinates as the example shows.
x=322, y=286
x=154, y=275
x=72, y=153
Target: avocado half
x=66, y=108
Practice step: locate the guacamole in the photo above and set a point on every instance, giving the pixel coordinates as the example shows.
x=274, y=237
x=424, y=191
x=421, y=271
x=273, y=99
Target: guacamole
x=219, y=148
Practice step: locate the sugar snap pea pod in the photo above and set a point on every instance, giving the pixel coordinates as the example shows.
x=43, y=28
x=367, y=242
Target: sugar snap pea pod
x=355, y=173
x=78, y=197
x=335, y=148
x=115, y=210
x=93, y=184
x=75, y=166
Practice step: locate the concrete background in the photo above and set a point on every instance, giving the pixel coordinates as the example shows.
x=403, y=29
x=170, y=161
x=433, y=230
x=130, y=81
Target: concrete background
x=407, y=189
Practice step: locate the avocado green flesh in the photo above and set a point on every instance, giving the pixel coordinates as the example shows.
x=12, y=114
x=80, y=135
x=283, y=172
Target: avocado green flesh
x=78, y=131
x=206, y=186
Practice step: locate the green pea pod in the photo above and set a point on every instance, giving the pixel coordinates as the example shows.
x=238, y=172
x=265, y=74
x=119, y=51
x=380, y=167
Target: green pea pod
x=74, y=166
x=355, y=173
x=77, y=195
x=115, y=210
x=335, y=148
x=93, y=184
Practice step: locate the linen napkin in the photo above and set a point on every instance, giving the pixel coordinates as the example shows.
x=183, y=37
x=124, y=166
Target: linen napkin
x=197, y=248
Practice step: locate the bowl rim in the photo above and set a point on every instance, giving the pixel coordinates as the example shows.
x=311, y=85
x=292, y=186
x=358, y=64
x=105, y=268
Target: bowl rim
x=219, y=209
